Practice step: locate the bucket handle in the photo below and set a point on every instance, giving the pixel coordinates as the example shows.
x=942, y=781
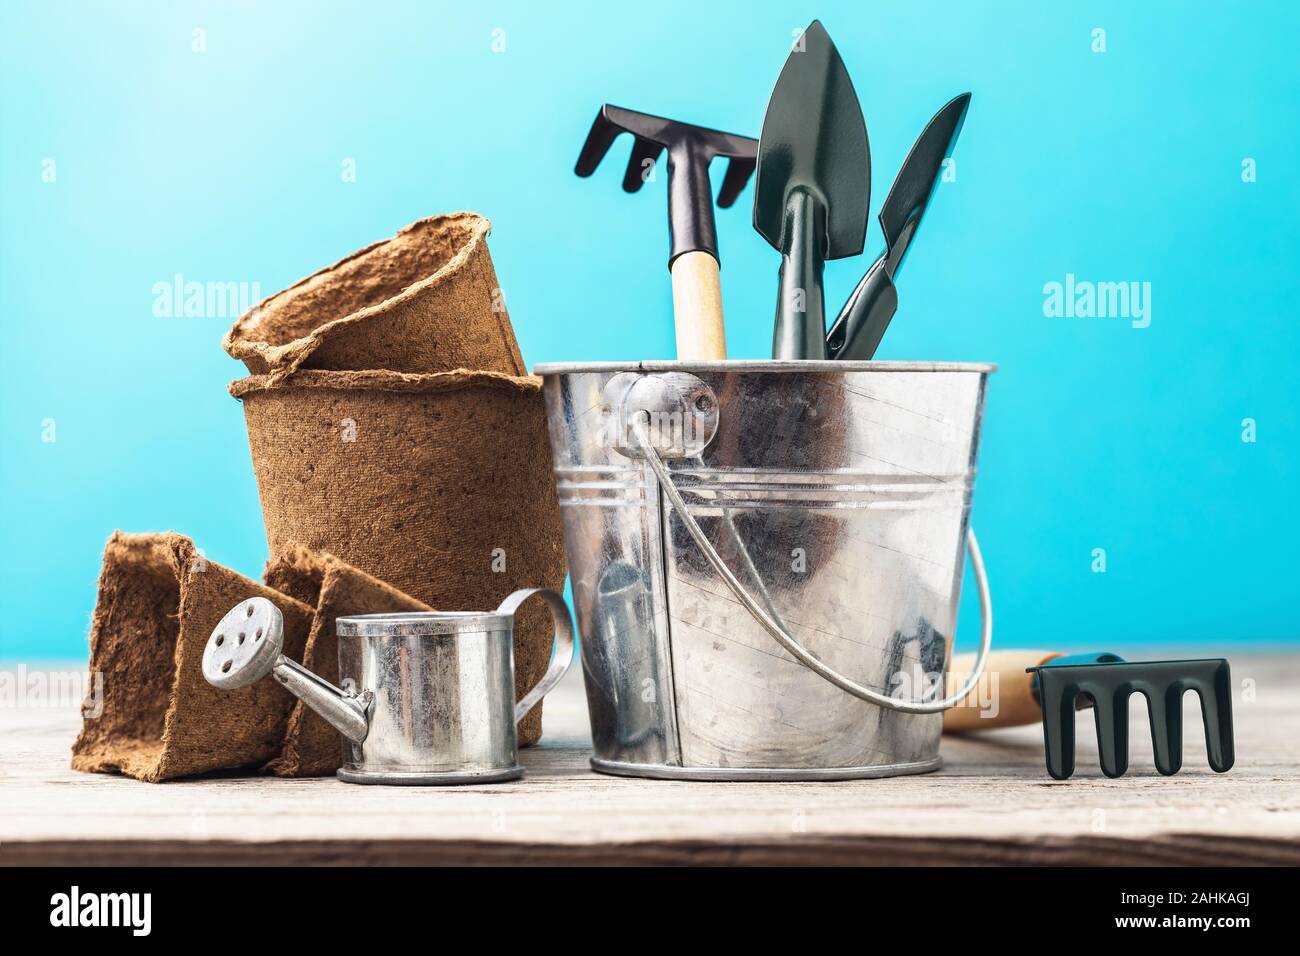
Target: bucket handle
x=639, y=431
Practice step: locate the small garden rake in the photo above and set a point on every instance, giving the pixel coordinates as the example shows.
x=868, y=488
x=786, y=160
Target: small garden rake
x=693, y=259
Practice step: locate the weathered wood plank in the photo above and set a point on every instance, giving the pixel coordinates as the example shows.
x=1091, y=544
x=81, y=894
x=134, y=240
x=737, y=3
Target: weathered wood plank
x=992, y=803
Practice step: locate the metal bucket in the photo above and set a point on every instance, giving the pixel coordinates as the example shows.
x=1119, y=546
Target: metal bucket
x=766, y=560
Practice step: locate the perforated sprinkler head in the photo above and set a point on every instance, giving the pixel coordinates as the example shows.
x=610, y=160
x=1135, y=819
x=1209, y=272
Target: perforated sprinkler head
x=245, y=645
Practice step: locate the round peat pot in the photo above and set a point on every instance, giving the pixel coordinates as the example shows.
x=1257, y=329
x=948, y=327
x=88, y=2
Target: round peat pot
x=766, y=560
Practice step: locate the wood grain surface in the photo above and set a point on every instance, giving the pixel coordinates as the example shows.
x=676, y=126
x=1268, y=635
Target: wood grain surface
x=992, y=803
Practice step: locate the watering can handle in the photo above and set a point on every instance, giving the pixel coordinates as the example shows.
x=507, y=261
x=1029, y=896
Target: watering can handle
x=646, y=447
x=563, y=655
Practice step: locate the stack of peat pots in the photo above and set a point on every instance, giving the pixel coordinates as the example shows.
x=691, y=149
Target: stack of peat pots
x=393, y=424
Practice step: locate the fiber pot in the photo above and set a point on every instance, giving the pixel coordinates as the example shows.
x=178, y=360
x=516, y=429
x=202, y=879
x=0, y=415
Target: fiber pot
x=438, y=484
x=426, y=300
x=158, y=602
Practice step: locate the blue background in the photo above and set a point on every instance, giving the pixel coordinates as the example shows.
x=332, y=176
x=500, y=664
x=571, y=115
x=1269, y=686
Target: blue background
x=1115, y=166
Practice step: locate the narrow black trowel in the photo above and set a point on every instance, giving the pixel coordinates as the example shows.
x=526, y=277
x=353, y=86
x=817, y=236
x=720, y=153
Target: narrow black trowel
x=857, y=330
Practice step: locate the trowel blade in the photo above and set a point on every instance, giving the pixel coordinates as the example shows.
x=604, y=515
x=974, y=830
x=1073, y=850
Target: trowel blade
x=814, y=138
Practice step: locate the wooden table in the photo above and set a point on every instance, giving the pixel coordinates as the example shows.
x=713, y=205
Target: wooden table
x=991, y=803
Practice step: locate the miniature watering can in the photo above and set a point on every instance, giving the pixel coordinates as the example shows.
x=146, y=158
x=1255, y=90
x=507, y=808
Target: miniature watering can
x=427, y=697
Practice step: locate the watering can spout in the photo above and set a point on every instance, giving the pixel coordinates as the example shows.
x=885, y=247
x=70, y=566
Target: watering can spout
x=247, y=645
x=347, y=713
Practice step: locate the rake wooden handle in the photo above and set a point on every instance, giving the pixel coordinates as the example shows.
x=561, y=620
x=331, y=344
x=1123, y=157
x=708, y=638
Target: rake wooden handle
x=1008, y=702
x=697, y=308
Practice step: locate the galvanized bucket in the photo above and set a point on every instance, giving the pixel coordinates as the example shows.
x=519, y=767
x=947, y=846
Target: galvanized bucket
x=766, y=560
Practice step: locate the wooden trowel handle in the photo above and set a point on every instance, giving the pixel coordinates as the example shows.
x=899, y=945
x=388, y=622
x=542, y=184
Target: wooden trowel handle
x=697, y=308
x=1004, y=701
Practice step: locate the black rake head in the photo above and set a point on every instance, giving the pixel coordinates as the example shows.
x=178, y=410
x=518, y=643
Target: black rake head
x=1109, y=686
x=690, y=150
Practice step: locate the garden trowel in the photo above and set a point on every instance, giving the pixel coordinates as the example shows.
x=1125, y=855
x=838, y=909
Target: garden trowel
x=812, y=190
x=857, y=330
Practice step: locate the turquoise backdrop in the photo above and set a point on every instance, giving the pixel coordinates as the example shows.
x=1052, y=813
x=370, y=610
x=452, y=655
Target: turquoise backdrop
x=134, y=149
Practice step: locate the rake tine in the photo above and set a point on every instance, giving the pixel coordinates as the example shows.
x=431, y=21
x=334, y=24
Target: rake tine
x=1216, y=707
x=1166, y=713
x=599, y=139
x=733, y=183
x=1111, y=713
x=635, y=175
x=1058, y=724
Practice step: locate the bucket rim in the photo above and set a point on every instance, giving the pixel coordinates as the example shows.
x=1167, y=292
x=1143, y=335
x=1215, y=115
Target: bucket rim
x=763, y=365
